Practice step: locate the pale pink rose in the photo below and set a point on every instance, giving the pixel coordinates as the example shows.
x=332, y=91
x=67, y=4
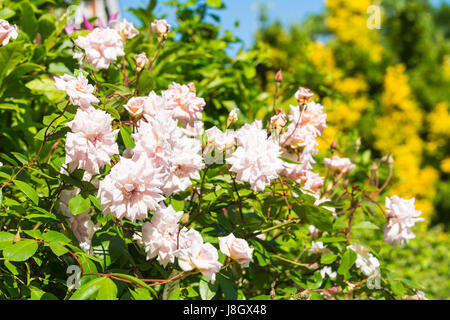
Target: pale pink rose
x=202, y=257
x=7, y=32
x=154, y=104
x=124, y=28
x=302, y=173
x=339, y=165
x=81, y=225
x=160, y=236
x=299, y=137
x=184, y=164
x=141, y=61
x=101, y=47
x=195, y=130
x=184, y=104
x=189, y=238
x=131, y=189
x=135, y=106
x=79, y=90
x=311, y=181
x=256, y=160
x=237, y=249
x=220, y=140
x=313, y=116
x=160, y=27
x=179, y=156
x=92, y=141
x=401, y=216
x=303, y=94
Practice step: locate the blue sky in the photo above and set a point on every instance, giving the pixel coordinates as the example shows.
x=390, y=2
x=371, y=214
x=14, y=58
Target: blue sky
x=246, y=12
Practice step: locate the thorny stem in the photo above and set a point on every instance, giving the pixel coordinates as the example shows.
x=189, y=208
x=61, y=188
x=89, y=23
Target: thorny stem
x=199, y=198
x=275, y=96
x=124, y=70
x=126, y=122
x=116, y=94
x=161, y=44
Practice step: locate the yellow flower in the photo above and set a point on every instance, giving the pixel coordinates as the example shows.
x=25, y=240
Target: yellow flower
x=445, y=165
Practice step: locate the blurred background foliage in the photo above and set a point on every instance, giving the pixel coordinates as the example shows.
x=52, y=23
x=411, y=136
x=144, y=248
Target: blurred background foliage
x=389, y=87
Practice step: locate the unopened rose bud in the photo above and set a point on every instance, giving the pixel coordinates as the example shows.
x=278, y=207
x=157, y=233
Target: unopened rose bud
x=160, y=27
x=357, y=144
x=191, y=87
x=128, y=153
x=141, y=61
x=184, y=218
x=232, y=117
x=390, y=161
x=279, y=76
x=303, y=95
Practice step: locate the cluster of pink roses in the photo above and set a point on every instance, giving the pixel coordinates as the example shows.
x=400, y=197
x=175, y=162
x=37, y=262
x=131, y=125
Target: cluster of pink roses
x=163, y=239
x=168, y=155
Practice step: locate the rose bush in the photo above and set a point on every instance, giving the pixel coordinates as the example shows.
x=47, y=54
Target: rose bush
x=136, y=159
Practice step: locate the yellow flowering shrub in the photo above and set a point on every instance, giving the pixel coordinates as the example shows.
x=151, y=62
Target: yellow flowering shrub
x=348, y=21
x=397, y=132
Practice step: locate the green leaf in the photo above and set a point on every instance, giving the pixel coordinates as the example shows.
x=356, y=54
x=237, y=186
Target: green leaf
x=45, y=86
x=20, y=251
x=207, y=289
x=214, y=3
x=397, y=288
x=348, y=259
x=125, y=132
x=56, y=242
x=10, y=56
x=172, y=288
x=23, y=159
x=89, y=290
x=6, y=13
x=140, y=294
x=227, y=288
x=28, y=19
x=107, y=290
x=328, y=258
x=6, y=239
x=320, y=218
x=28, y=191
x=365, y=225
x=33, y=233
x=78, y=204
x=136, y=281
